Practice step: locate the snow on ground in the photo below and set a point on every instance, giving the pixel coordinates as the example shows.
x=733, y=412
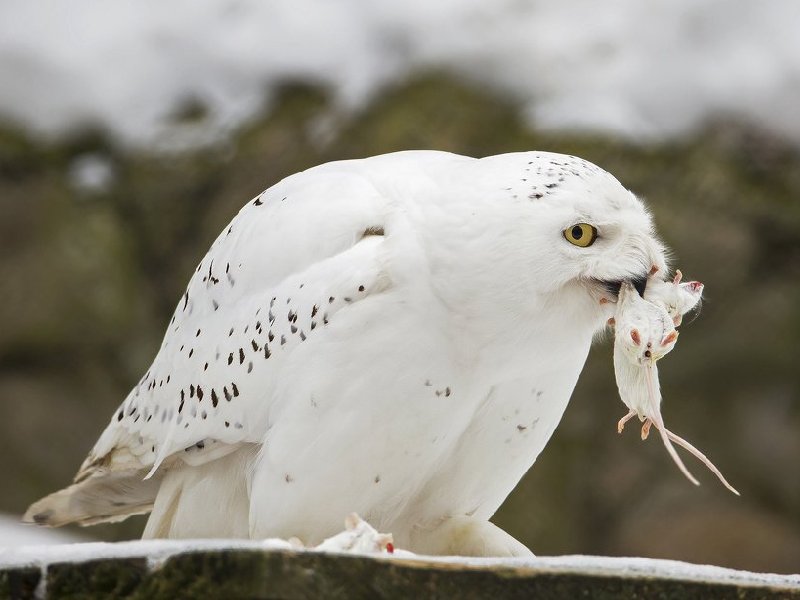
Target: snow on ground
x=159, y=550
x=14, y=533
x=642, y=69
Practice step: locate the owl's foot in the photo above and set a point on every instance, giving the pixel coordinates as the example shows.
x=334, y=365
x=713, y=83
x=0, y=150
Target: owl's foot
x=466, y=536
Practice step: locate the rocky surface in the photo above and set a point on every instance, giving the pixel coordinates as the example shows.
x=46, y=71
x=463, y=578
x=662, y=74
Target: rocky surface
x=169, y=570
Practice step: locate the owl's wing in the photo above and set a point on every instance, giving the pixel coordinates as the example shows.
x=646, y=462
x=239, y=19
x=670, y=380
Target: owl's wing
x=292, y=258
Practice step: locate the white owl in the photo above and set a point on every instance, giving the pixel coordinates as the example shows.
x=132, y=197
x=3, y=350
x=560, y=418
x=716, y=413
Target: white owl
x=396, y=336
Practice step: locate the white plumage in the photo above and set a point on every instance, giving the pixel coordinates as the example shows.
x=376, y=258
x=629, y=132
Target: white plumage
x=396, y=336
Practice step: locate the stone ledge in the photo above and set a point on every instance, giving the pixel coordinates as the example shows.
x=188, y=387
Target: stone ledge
x=170, y=570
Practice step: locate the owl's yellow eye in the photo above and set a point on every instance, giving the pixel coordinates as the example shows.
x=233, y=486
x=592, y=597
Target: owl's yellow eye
x=581, y=234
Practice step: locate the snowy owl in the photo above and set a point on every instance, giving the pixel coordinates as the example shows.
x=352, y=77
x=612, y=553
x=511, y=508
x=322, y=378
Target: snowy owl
x=396, y=336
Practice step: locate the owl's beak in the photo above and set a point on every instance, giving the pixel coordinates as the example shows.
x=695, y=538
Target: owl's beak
x=639, y=283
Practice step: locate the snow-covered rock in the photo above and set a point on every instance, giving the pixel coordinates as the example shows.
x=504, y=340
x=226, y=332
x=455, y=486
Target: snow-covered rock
x=274, y=568
x=14, y=533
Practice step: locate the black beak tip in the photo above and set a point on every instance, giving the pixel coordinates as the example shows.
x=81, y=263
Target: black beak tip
x=640, y=283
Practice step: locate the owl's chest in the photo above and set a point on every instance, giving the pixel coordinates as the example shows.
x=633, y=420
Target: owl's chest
x=512, y=422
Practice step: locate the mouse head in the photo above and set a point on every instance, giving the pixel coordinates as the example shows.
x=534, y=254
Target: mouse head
x=644, y=331
x=676, y=297
x=688, y=297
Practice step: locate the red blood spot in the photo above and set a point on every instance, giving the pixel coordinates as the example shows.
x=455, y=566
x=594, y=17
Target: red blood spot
x=635, y=336
x=390, y=548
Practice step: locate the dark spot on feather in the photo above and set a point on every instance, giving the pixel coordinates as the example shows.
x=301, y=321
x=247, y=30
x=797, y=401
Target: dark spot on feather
x=214, y=399
x=283, y=340
x=373, y=230
x=230, y=358
x=227, y=393
x=258, y=202
x=313, y=325
x=302, y=336
x=250, y=366
x=42, y=518
x=191, y=391
x=227, y=424
x=199, y=393
x=235, y=390
x=361, y=288
x=241, y=356
x=254, y=345
x=314, y=310
x=294, y=328
x=270, y=336
x=267, y=353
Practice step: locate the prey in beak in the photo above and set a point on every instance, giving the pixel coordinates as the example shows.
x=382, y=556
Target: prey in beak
x=639, y=283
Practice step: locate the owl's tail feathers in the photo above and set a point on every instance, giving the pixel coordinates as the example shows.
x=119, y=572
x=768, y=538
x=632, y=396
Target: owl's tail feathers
x=103, y=497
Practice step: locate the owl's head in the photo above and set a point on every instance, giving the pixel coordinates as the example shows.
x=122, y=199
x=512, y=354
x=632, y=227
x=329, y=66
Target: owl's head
x=573, y=224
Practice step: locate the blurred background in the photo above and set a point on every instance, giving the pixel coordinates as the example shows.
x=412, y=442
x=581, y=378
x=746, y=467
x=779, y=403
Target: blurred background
x=131, y=132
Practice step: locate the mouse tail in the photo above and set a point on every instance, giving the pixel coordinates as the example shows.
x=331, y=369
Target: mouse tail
x=655, y=417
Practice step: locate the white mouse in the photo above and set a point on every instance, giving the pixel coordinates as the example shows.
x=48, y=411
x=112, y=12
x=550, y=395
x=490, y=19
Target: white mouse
x=644, y=333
